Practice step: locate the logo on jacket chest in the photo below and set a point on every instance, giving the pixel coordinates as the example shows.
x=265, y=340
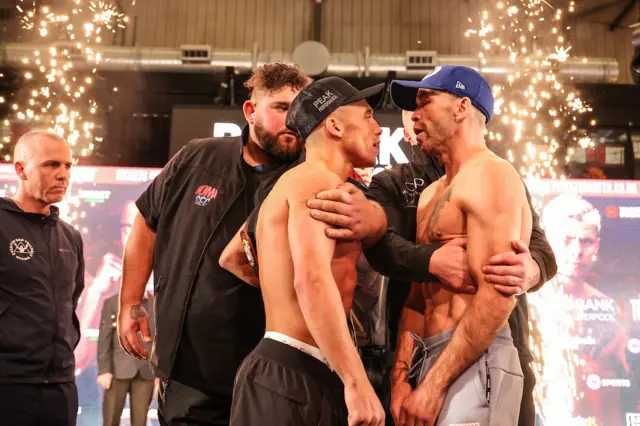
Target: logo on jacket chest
x=412, y=191
x=204, y=195
x=21, y=249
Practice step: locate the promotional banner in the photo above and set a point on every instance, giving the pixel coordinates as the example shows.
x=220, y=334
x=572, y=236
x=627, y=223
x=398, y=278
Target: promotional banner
x=586, y=320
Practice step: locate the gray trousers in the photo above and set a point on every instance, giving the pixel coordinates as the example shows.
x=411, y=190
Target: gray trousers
x=488, y=393
x=140, y=395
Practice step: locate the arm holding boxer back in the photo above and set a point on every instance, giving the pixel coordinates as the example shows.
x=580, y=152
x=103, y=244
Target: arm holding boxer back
x=356, y=217
x=234, y=259
x=321, y=303
x=398, y=257
x=136, y=269
x=493, y=221
x=411, y=322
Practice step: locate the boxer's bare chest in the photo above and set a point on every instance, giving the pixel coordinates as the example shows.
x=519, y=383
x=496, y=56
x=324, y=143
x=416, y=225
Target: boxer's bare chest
x=439, y=217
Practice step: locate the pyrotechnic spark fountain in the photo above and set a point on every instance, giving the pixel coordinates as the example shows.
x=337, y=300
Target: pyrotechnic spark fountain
x=54, y=95
x=536, y=117
x=536, y=114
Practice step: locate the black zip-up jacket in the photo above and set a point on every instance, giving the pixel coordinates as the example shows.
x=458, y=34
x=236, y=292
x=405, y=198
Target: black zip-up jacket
x=397, y=256
x=41, y=278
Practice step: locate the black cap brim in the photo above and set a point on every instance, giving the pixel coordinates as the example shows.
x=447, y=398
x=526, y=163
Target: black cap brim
x=373, y=96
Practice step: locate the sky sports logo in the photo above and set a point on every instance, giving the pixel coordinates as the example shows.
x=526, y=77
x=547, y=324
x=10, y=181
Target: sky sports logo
x=622, y=212
x=594, y=382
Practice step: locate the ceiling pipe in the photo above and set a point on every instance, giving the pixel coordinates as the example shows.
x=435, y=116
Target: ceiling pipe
x=358, y=64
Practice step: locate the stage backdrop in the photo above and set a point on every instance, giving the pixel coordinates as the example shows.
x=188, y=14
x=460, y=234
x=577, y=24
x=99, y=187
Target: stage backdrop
x=191, y=122
x=586, y=322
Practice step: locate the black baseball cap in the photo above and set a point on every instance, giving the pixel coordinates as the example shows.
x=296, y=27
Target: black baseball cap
x=315, y=102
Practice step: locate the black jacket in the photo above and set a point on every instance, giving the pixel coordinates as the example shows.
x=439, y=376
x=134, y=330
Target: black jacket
x=186, y=206
x=398, y=257
x=41, y=278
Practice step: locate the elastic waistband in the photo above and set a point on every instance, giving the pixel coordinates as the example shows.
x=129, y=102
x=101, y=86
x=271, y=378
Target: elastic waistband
x=436, y=343
x=297, y=344
x=298, y=360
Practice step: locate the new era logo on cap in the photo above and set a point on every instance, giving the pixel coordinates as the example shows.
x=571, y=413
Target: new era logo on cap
x=460, y=81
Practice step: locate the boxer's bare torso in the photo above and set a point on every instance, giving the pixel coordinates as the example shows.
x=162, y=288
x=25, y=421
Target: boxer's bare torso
x=283, y=312
x=441, y=217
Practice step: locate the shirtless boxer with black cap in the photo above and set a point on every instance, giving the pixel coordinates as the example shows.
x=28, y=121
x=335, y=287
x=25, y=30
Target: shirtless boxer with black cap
x=306, y=367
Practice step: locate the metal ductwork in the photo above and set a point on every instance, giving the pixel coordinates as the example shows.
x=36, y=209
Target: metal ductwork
x=360, y=64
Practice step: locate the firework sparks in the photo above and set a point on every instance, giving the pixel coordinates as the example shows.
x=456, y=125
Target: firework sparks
x=536, y=124
x=535, y=112
x=54, y=94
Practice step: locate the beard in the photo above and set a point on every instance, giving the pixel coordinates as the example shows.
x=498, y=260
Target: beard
x=279, y=151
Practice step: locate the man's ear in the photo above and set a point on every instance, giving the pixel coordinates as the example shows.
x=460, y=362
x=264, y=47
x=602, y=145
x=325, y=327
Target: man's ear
x=334, y=127
x=19, y=167
x=407, y=136
x=249, y=110
x=464, y=108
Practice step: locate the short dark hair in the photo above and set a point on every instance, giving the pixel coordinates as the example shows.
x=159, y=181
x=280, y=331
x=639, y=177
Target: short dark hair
x=276, y=76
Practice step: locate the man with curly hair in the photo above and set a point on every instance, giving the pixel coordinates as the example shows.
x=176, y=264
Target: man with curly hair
x=207, y=320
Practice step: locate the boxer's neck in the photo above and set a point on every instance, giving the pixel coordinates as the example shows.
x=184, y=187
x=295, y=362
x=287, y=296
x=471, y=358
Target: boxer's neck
x=332, y=158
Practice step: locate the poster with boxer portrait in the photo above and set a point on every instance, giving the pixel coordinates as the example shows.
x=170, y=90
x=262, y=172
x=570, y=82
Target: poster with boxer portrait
x=587, y=319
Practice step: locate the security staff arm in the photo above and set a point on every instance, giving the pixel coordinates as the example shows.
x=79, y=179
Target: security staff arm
x=398, y=257
x=395, y=255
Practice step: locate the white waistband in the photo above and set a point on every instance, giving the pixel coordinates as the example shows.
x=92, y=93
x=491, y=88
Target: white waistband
x=297, y=344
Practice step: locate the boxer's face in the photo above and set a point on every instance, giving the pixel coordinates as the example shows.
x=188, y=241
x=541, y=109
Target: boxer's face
x=575, y=246
x=269, y=124
x=361, y=134
x=433, y=120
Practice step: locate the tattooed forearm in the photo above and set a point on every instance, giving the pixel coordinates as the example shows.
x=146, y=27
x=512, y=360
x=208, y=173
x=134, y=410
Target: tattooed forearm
x=137, y=312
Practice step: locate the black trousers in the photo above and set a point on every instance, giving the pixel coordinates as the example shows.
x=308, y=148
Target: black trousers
x=278, y=385
x=140, y=395
x=38, y=404
x=181, y=405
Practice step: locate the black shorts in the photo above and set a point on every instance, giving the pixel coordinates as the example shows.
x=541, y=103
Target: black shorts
x=281, y=386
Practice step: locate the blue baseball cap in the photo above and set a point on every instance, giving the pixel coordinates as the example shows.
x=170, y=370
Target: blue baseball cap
x=463, y=82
